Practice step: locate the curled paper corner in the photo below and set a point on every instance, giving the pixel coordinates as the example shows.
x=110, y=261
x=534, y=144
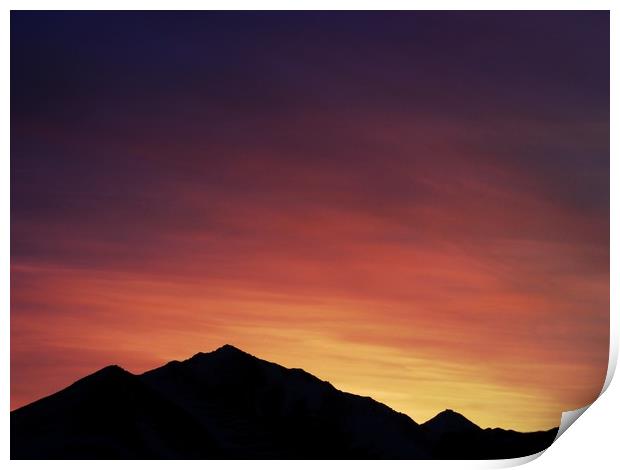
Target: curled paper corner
x=569, y=417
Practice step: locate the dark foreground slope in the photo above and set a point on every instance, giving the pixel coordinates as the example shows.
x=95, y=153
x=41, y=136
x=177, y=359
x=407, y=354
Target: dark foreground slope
x=229, y=404
x=109, y=414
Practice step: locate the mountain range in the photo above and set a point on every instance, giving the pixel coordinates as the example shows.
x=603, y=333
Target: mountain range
x=230, y=404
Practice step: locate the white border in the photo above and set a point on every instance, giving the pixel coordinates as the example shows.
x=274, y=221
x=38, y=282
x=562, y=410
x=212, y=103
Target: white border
x=590, y=441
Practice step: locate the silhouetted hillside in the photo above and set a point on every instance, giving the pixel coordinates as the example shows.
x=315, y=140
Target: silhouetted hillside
x=455, y=437
x=229, y=404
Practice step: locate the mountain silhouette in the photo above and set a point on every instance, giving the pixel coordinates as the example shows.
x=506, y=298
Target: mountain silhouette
x=453, y=436
x=230, y=404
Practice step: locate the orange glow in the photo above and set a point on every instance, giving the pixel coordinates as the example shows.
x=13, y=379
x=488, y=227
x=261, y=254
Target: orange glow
x=421, y=328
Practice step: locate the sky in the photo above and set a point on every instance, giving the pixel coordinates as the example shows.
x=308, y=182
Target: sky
x=413, y=206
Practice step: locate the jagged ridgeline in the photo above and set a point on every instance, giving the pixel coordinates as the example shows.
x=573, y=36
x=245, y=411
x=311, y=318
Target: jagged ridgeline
x=230, y=404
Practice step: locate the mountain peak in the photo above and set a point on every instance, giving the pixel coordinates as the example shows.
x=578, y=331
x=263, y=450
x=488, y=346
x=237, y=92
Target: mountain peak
x=449, y=413
x=229, y=348
x=226, y=354
x=111, y=369
x=450, y=421
x=110, y=372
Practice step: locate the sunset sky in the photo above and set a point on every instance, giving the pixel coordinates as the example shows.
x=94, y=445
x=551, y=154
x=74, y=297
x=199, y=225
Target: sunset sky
x=413, y=206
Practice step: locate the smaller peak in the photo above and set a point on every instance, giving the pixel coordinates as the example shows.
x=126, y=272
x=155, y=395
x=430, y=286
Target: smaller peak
x=450, y=420
x=111, y=369
x=112, y=372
